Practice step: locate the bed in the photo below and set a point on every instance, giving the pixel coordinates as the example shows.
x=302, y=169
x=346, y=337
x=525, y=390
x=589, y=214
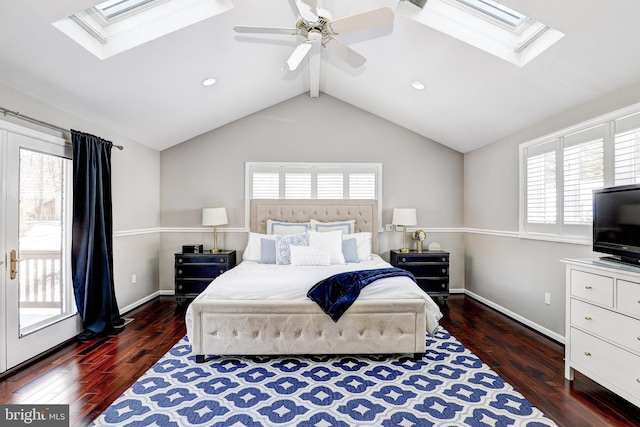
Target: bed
x=263, y=309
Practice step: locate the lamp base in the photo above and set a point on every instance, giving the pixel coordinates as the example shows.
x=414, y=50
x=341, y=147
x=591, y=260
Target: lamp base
x=405, y=250
x=215, y=251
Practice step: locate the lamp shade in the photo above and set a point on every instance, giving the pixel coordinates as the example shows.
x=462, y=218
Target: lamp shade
x=404, y=216
x=214, y=216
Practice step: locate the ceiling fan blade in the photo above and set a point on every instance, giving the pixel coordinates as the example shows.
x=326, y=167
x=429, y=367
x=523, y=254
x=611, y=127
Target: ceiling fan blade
x=345, y=53
x=297, y=56
x=265, y=30
x=362, y=21
x=308, y=10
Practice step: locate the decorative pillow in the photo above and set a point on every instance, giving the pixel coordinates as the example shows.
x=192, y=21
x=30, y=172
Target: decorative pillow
x=309, y=255
x=267, y=251
x=364, y=242
x=329, y=240
x=254, y=248
x=350, y=250
x=347, y=227
x=283, y=246
x=283, y=228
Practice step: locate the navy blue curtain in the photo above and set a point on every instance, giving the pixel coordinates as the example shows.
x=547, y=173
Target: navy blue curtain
x=92, y=235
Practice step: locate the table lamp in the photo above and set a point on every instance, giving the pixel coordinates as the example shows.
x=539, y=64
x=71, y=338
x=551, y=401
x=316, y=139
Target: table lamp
x=404, y=217
x=214, y=217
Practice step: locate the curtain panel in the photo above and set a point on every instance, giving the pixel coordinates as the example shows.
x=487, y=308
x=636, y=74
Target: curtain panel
x=92, y=235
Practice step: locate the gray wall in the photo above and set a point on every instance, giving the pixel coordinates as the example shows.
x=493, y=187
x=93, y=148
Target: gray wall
x=136, y=196
x=208, y=171
x=508, y=271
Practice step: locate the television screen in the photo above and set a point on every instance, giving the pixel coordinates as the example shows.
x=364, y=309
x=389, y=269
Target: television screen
x=616, y=222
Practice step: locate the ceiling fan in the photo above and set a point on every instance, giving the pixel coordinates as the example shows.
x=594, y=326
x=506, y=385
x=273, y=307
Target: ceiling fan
x=316, y=28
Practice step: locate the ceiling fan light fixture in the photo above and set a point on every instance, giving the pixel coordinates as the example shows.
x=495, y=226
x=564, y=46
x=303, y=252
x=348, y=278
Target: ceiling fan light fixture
x=209, y=81
x=417, y=85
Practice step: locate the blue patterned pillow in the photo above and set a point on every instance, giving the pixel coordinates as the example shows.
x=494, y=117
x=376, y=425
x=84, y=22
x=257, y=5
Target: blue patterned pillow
x=283, y=243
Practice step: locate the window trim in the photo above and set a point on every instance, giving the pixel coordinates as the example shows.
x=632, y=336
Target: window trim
x=560, y=232
x=249, y=166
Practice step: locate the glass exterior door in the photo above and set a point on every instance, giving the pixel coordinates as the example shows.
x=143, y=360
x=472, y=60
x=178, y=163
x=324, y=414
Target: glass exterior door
x=40, y=309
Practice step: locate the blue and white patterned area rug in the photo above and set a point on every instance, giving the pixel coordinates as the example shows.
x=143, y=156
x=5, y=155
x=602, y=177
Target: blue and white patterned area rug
x=450, y=386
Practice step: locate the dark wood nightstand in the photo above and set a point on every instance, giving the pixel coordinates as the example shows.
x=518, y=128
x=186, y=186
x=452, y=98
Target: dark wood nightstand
x=194, y=272
x=431, y=269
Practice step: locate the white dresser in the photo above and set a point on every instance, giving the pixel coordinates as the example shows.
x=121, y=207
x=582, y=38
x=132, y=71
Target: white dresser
x=603, y=325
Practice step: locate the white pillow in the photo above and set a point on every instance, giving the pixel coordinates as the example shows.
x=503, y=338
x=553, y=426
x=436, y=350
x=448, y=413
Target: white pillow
x=309, y=255
x=364, y=242
x=252, y=251
x=347, y=226
x=284, y=228
x=329, y=240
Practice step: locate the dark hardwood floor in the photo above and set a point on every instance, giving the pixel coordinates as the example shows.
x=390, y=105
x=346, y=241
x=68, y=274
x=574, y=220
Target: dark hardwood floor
x=89, y=376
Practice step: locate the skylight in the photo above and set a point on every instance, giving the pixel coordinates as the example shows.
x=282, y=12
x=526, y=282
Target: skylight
x=487, y=25
x=114, y=26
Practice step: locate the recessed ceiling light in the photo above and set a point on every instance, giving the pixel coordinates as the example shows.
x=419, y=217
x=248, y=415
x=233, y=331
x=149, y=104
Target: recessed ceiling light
x=209, y=81
x=417, y=85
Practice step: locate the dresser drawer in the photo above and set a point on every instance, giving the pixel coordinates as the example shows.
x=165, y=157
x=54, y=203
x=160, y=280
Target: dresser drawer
x=592, y=287
x=606, y=363
x=629, y=298
x=621, y=329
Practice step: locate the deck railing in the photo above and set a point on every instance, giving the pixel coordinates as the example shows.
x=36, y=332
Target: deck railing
x=40, y=279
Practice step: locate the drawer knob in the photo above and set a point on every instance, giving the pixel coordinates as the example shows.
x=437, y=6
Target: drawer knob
x=404, y=260
x=638, y=379
x=588, y=287
x=587, y=317
x=179, y=260
x=179, y=271
x=444, y=270
x=221, y=271
x=444, y=285
x=586, y=353
x=444, y=260
x=179, y=287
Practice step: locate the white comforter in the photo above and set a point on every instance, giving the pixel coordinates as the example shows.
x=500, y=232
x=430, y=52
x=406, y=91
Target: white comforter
x=253, y=281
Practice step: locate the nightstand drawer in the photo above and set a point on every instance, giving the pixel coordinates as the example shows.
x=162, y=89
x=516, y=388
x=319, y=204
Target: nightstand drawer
x=191, y=286
x=425, y=269
x=200, y=270
x=202, y=258
x=434, y=284
x=422, y=257
x=629, y=297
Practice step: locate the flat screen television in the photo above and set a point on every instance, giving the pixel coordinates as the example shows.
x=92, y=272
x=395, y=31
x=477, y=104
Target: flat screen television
x=616, y=223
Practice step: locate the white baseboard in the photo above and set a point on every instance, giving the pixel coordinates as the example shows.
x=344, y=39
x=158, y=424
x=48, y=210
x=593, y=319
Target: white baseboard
x=138, y=303
x=553, y=335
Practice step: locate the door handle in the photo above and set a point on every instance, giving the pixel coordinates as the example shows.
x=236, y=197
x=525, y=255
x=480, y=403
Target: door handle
x=14, y=263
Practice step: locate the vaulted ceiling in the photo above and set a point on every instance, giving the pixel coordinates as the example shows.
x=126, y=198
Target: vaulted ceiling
x=153, y=93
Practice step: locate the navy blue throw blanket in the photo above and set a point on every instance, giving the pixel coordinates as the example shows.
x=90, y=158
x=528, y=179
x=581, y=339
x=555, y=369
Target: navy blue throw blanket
x=335, y=294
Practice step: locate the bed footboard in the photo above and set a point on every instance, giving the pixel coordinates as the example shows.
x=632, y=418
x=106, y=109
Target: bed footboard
x=281, y=327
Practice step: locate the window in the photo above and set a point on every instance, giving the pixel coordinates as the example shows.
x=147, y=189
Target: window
x=487, y=25
x=560, y=172
x=313, y=181
x=115, y=26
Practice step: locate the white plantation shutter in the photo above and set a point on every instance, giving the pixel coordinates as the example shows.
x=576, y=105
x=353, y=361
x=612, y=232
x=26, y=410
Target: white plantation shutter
x=627, y=150
x=583, y=158
x=266, y=185
x=313, y=181
x=541, y=188
x=362, y=185
x=297, y=185
x=330, y=185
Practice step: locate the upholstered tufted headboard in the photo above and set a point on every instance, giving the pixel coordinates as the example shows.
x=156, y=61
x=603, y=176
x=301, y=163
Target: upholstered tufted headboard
x=365, y=213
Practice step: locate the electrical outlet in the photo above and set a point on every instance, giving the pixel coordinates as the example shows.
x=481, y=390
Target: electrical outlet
x=388, y=227
x=547, y=298
x=134, y=279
